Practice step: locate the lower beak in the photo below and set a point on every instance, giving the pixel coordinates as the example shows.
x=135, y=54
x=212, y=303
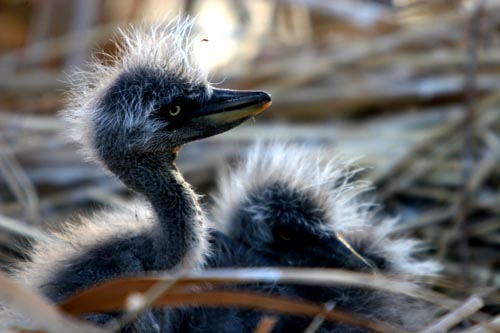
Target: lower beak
x=228, y=106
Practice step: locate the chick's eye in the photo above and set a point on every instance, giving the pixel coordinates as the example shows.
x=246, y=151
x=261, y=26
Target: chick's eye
x=286, y=235
x=175, y=110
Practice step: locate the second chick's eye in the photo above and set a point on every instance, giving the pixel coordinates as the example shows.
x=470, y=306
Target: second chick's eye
x=175, y=110
x=286, y=235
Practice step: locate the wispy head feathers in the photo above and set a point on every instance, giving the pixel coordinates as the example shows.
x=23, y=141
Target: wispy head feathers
x=162, y=47
x=330, y=182
x=165, y=45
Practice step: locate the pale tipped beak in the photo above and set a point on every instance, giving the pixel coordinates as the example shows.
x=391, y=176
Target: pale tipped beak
x=227, y=106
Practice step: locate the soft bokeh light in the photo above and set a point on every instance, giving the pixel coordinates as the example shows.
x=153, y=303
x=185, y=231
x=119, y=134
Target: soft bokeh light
x=223, y=36
x=215, y=44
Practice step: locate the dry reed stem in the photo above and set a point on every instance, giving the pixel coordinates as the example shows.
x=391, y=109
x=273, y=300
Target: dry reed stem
x=19, y=183
x=120, y=288
x=235, y=299
x=43, y=316
x=266, y=324
x=492, y=326
x=319, y=319
x=23, y=229
x=446, y=322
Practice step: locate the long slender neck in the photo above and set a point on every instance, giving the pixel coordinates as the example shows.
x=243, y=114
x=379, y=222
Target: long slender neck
x=179, y=240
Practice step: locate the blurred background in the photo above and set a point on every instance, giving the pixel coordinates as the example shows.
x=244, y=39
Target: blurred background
x=411, y=88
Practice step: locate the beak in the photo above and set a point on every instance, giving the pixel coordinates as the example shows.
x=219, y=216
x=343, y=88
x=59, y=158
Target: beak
x=229, y=106
x=352, y=257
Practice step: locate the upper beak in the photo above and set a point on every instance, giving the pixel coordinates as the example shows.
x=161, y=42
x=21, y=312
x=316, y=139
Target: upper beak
x=351, y=257
x=226, y=106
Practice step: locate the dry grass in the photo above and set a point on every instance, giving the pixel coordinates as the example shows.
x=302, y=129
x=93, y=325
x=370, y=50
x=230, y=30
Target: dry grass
x=414, y=90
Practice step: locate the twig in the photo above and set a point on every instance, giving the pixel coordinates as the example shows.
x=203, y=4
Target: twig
x=266, y=324
x=20, y=185
x=22, y=229
x=445, y=323
x=120, y=288
x=137, y=303
x=463, y=203
x=42, y=316
x=319, y=319
x=492, y=326
x=252, y=301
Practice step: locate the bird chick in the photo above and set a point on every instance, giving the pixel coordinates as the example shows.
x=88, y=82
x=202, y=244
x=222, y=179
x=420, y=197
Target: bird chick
x=296, y=206
x=132, y=115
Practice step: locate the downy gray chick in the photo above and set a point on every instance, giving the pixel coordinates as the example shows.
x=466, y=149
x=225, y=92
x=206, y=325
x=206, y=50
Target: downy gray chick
x=284, y=206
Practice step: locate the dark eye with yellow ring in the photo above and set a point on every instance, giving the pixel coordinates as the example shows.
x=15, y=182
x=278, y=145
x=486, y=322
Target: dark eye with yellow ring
x=175, y=113
x=175, y=110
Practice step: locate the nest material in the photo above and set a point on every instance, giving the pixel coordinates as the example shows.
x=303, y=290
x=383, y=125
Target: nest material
x=418, y=84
